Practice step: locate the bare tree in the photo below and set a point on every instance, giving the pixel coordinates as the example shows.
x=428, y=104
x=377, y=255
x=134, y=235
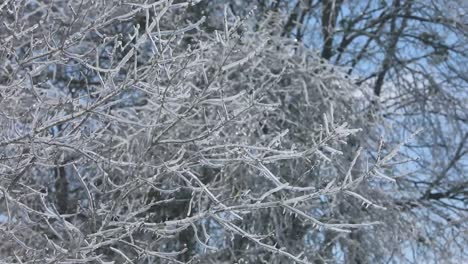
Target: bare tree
x=145, y=132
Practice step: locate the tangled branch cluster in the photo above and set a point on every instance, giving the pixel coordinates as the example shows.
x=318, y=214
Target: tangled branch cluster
x=130, y=135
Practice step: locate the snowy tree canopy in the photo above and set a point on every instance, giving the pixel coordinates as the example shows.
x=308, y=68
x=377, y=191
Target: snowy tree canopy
x=209, y=132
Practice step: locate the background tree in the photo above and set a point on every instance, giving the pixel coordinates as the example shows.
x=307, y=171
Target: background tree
x=180, y=132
